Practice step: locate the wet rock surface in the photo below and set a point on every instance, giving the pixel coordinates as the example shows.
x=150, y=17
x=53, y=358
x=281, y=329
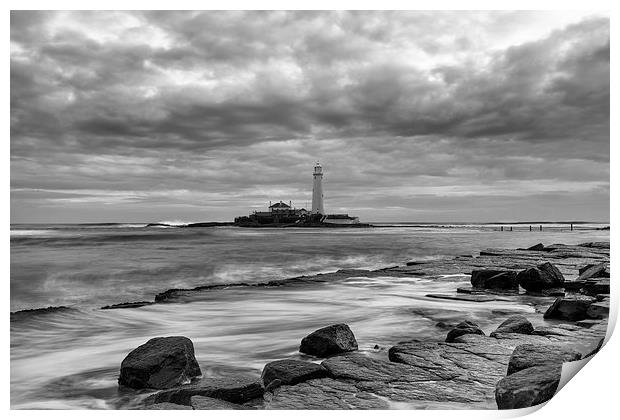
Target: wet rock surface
x=571, y=309
x=515, y=324
x=290, y=372
x=166, y=406
x=597, y=286
x=473, y=297
x=125, y=305
x=593, y=270
x=330, y=340
x=199, y=402
x=543, y=276
x=598, y=310
x=358, y=367
x=465, y=327
x=26, y=314
x=574, y=285
x=494, y=279
x=537, y=247
x=160, y=363
x=235, y=389
x=323, y=394
x=528, y=355
x=528, y=387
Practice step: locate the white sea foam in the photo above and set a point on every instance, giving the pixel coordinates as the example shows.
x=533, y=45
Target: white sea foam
x=32, y=232
x=176, y=223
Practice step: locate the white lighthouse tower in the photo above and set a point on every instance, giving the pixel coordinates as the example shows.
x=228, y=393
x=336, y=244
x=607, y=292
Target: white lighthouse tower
x=317, y=190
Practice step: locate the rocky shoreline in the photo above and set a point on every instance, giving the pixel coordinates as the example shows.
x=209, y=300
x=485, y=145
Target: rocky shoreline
x=516, y=365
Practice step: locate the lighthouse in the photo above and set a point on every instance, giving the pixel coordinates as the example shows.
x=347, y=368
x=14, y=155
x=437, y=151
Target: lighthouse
x=317, y=190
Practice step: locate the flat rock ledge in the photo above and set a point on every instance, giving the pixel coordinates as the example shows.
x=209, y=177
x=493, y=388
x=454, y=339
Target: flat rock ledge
x=526, y=356
x=290, y=372
x=166, y=406
x=233, y=389
x=198, y=402
x=461, y=374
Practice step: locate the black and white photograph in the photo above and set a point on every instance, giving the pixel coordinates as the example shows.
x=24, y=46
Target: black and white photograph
x=306, y=209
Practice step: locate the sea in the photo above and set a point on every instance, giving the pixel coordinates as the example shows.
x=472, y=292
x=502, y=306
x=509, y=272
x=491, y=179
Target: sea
x=70, y=359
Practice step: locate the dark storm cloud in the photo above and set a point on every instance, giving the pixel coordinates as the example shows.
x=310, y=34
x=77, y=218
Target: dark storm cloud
x=219, y=105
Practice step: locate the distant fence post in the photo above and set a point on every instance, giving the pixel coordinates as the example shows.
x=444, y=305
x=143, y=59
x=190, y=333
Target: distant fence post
x=501, y=228
x=541, y=228
x=511, y=228
x=530, y=228
x=571, y=226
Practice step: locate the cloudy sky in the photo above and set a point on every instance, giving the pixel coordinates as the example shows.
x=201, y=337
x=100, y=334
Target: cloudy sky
x=415, y=116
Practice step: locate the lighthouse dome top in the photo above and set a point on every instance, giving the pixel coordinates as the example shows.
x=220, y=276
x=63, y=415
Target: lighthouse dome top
x=318, y=168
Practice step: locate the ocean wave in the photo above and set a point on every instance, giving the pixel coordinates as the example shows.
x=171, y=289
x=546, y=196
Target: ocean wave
x=173, y=223
x=98, y=238
x=32, y=232
x=37, y=312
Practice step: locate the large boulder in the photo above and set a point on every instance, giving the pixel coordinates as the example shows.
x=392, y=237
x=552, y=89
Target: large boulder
x=570, y=309
x=528, y=387
x=334, y=339
x=543, y=276
x=515, y=324
x=290, y=372
x=526, y=356
x=234, y=389
x=465, y=327
x=494, y=279
x=160, y=363
x=537, y=247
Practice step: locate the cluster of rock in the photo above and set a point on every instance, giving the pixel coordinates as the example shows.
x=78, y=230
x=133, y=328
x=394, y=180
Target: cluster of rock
x=169, y=364
x=533, y=279
x=593, y=279
x=590, y=291
x=547, y=278
x=515, y=366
